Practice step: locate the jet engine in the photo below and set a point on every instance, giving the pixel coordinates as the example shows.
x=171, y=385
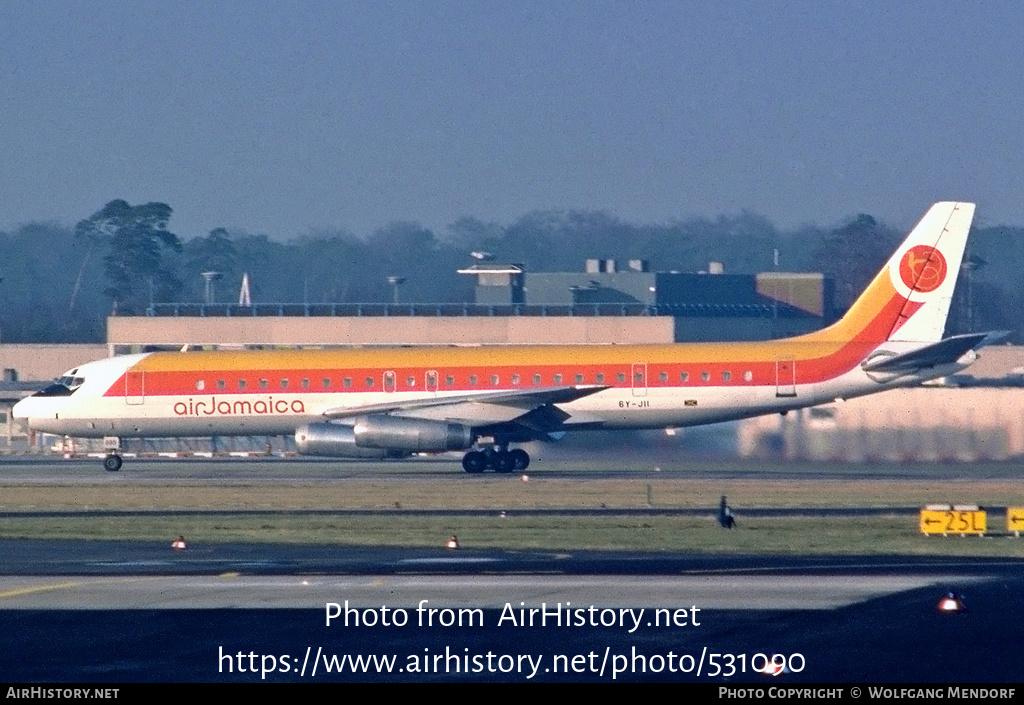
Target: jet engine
x=382, y=437
x=413, y=435
x=336, y=441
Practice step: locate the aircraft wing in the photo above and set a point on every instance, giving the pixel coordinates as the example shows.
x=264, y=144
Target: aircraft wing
x=944, y=352
x=479, y=409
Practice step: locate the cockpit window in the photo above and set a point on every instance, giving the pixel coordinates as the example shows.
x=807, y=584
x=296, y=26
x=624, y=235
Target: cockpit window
x=63, y=387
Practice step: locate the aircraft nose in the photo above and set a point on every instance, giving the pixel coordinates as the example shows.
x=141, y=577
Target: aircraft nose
x=32, y=408
x=20, y=412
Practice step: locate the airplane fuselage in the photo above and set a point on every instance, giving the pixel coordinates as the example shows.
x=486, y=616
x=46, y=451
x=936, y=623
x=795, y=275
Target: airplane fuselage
x=211, y=393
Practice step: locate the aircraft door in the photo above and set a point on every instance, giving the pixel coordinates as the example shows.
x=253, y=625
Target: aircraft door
x=639, y=379
x=785, y=378
x=389, y=381
x=135, y=387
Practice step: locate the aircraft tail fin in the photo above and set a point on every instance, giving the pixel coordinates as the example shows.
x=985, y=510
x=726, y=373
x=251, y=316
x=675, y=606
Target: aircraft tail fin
x=909, y=299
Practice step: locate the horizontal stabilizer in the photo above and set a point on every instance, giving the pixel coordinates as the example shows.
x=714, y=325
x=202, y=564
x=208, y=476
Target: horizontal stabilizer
x=944, y=352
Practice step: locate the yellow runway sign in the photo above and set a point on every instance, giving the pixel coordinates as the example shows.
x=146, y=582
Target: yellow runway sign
x=1015, y=519
x=954, y=520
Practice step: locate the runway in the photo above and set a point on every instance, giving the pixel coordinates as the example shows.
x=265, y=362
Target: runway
x=122, y=611
x=281, y=469
x=485, y=592
x=115, y=613
x=120, y=575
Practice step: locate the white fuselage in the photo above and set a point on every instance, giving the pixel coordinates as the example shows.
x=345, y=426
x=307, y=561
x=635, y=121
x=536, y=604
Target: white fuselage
x=88, y=412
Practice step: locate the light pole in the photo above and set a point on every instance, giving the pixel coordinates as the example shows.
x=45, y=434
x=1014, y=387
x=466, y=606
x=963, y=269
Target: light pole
x=395, y=282
x=210, y=278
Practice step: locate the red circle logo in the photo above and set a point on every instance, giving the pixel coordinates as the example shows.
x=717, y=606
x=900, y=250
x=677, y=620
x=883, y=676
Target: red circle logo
x=923, y=268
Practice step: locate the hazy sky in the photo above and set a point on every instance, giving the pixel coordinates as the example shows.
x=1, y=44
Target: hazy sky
x=285, y=117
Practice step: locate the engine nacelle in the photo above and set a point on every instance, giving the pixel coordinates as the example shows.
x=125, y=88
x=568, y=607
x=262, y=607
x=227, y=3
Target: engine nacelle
x=336, y=441
x=413, y=435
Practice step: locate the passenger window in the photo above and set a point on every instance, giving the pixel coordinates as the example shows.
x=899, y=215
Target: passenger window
x=449, y=380
x=327, y=382
x=472, y=380
x=621, y=377
x=600, y=378
x=284, y=384
x=684, y=376
x=348, y=382
x=263, y=384
x=579, y=378
x=748, y=375
x=221, y=384
x=410, y=381
x=242, y=384
x=369, y=382
x=515, y=380
x=726, y=376
x=536, y=378
x=558, y=379
x=200, y=385
x=705, y=376
x=305, y=383
x=663, y=377
x=494, y=380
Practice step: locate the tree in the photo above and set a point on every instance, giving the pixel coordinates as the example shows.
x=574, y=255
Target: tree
x=93, y=232
x=215, y=252
x=137, y=237
x=36, y=287
x=853, y=253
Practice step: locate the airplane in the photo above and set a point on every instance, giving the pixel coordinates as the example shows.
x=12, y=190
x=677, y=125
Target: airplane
x=393, y=402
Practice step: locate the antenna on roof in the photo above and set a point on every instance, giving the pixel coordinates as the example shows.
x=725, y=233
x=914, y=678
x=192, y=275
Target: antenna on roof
x=244, y=296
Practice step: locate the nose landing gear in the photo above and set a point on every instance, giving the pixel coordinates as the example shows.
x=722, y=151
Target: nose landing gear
x=112, y=444
x=499, y=459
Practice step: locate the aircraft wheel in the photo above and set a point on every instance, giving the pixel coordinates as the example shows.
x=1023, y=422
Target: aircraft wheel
x=520, y=459
x=112, y=463
x=474, y=462
x=504, y=462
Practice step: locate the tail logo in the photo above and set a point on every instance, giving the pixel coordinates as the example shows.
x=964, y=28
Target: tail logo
x=923, y=269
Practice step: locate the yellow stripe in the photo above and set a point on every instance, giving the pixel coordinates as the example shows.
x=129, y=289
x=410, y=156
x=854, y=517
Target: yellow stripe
x=18, y=592
x=49, y=587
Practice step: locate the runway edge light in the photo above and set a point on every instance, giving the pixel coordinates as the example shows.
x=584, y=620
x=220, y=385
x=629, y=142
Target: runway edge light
x=951, y=602
x=452, y=543
x=179, y=544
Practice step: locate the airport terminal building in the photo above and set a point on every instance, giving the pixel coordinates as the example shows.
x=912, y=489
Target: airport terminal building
x=601, y=305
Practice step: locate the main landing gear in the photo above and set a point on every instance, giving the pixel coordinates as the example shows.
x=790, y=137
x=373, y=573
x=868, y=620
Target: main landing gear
x=500, y=460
